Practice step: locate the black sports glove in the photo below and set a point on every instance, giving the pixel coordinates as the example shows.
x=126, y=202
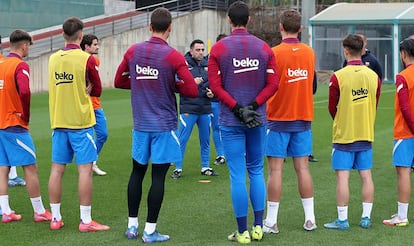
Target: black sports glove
x=247, y=115
x=236, y=112
x=255, y=122
x=254, y=105
x=252, y=119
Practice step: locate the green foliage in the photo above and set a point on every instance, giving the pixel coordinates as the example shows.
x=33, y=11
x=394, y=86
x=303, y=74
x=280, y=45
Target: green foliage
x=195, y=213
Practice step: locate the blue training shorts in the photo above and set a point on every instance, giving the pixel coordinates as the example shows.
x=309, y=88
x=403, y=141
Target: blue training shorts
x=344, y=160
x=67, y=143
x=16, y=149
x=293, y=144
x=161, y=147
x=403, y=153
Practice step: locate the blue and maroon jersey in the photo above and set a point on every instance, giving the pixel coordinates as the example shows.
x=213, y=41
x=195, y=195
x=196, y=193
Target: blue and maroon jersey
x=149, y=70
x=241, y=69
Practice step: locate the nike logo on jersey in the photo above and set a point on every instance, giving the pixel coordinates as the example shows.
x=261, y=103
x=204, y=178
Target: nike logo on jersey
x=245, y=65
x=295, y=49
x=357, y=70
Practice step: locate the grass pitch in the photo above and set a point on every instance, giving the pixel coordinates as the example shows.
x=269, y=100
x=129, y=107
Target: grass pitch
x=196, y=213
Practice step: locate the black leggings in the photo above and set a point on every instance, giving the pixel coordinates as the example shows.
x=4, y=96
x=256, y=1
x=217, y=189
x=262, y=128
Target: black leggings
x=156, y=191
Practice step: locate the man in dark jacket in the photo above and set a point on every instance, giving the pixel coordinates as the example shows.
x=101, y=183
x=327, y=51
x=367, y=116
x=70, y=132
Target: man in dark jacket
x=196, y=110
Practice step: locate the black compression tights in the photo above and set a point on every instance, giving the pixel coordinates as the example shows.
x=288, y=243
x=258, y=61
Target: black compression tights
x=155, y=194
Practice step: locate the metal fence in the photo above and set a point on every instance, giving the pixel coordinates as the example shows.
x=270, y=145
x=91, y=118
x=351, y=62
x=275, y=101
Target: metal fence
x=50, y=39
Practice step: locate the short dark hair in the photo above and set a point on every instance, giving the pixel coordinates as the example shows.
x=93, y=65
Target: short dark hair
x=407, y=45
x=364, y=38
x=353, y=43
x=87, y=39
x=196, y=41
x=71, y=28
x=19, y=36
x=160, y=19
x=220, y=36
x=239, y=13
x=291, y=21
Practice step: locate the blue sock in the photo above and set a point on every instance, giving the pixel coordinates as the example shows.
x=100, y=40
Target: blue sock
x=258, y=218
x=242, y=224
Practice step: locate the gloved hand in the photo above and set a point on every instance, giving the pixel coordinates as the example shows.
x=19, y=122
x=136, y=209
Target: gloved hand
x=256, y=122
x=251, y=117
x=247, y=115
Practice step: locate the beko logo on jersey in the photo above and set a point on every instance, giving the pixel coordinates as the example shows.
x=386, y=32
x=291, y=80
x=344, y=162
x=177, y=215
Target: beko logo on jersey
x=245, y=65
x=63, y=78
x=146, y=72
x=245, y=62
x=359, y=93
x=297, y=74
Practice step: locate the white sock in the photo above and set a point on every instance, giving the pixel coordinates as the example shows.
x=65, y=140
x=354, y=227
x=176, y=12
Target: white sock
x=150, y=227
x=402, y=210
x=342, y=212
x=366, y=209
x=4, y=204
x=55, y=207
x=308, y=208
x=37, y=205
x=132, y=221
x=85, y=214
x=12, y=173
x=271, y=215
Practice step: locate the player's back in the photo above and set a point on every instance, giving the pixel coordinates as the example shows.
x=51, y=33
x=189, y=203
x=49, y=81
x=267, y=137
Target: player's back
x=10, y=105
x=356, y=110
x=294, y=98
x=153, y=85
x=294, y=55
x=401, y=128
x=69, y=104
x=243, y=63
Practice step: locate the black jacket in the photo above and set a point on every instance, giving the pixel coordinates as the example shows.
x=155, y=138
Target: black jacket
x=200, y=104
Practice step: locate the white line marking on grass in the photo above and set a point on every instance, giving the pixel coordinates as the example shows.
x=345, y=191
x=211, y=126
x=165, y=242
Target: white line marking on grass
x=321, y=101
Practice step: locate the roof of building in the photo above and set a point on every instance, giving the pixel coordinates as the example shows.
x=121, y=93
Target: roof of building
x=365, y=13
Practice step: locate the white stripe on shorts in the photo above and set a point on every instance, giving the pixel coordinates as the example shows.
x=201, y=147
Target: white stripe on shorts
x=175, y=137
x=25, y=147
x=91, y=139
x=396, y=145
x=183, y=121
